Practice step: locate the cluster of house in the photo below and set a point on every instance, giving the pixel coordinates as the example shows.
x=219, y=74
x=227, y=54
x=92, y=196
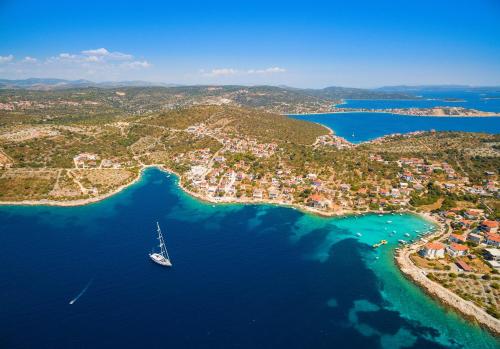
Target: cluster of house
x=457, y=244
x=88, y=160
x=417, y=172
x=260, y=150
x=332, y=141
x=234, y=144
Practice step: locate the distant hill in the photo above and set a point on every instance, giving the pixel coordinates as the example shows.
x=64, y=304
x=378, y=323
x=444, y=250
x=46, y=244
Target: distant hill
x=57, y=98
x=57, y=84
x=335, y=92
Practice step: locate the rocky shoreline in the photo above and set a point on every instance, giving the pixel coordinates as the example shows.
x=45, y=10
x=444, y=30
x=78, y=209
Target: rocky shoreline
x=449, y=299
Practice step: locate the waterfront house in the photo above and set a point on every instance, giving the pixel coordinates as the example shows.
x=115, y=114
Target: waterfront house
x=273, y=193
x=317, y=201
x=258, y=194
x=433, y=250
x=457, y=250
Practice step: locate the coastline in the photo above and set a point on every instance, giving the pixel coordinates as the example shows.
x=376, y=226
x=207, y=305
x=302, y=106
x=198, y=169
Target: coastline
x=382, y=111
x=411, y=272
x=450, y=300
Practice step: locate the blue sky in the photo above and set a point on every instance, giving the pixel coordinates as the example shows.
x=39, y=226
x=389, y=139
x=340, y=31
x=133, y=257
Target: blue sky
x=356, y=43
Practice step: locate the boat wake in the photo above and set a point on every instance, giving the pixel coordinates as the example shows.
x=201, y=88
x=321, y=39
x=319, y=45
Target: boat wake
x=81, y=293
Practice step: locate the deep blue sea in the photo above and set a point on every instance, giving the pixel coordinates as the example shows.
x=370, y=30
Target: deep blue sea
x=254, y=276
x=360, y=127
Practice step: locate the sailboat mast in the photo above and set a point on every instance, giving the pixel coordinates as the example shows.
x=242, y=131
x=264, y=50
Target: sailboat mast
x=163, y=248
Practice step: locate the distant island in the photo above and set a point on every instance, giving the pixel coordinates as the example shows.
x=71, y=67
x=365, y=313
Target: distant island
x=435, y=111
x=454, y=100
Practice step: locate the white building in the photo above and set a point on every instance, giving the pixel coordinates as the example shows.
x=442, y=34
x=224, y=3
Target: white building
x=433, y=250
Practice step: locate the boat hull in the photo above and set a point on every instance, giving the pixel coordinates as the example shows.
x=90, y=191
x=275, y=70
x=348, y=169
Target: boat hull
x=159, y=259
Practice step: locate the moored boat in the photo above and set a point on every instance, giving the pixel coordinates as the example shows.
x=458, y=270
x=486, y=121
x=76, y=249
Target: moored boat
x=162, y=257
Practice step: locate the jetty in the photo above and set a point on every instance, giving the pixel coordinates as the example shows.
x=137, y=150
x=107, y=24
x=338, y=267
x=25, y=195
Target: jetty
x=382, y=242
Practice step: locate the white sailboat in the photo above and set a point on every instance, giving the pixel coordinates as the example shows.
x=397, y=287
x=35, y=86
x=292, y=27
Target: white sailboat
x=161, y=258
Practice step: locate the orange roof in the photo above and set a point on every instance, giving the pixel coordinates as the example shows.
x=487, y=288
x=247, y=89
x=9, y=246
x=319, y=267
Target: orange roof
x=458, y=237
x=434, y=246
x=315, y=197
x=490, y=224
x=494, y=237
x=473, y=212
x=458, y=247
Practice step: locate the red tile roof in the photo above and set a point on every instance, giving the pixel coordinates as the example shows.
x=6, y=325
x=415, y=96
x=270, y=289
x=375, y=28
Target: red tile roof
x=459, y=237
x=490, y=224
x=464, y=266
x=458, y=247
x=434, y=246
x=315, y=197
x=493, y=237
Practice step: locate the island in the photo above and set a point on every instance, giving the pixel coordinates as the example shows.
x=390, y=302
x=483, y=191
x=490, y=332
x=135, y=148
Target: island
x=443, y=111
x=78, y=146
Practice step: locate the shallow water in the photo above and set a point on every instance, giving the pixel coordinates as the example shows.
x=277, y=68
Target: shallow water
x=254, y=276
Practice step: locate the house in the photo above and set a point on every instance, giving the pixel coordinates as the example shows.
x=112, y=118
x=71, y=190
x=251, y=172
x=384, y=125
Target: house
x=317, y=201
x=475, y=238
x=464, y=266
x=432, y=250
x=492, y=254
x=493, y=240
x=273, y=193
x=489, y=227
x=456, y=250
x=257, y=194
x=473, y=214
x=84, y=160
x=449, y=185
x=460, y=239
x=465, y=224
x=407, y=176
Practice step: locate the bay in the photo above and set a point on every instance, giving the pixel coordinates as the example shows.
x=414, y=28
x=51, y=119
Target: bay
x=247, y=276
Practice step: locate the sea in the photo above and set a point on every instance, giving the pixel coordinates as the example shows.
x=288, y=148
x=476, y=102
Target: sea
x=361, y=127
x=243, y=276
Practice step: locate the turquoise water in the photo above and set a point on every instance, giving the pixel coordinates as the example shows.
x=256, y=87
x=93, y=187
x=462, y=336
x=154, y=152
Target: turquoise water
x=254, y=276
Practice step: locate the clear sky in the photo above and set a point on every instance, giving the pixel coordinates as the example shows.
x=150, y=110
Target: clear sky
x=359, y=43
